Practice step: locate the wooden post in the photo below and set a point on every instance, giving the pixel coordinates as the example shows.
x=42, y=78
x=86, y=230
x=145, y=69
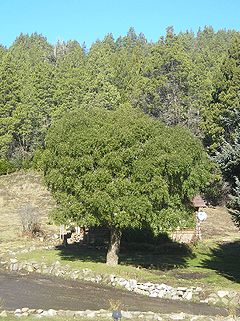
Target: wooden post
x=198, y=228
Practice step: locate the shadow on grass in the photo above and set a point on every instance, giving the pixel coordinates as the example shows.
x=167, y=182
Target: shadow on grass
x=83, y=252
x=164, y=256
x=225, y=260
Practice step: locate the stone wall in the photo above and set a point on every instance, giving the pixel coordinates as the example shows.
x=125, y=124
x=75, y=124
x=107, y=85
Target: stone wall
x=98, y=315
x=197, y=294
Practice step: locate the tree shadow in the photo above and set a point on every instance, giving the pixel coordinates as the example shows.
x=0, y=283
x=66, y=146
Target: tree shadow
x=160, y=254
x=225, y=260
x=83, y=252
x=163, y=257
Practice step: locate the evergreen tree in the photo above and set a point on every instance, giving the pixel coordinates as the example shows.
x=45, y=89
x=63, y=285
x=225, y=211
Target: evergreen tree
x=9, y=99
x=70, y=74
x=222, y=115
x=122, y=169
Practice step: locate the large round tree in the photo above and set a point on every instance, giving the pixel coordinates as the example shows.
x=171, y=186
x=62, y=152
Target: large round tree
x=122, y=169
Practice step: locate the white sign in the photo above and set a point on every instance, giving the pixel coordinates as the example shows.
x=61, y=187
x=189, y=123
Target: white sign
x=202, y=216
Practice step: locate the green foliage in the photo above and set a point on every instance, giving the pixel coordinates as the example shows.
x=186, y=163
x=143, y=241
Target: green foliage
x=234, y=203
x=222, y=115
x=123, y=169
x=6, y=167
x=186, y=79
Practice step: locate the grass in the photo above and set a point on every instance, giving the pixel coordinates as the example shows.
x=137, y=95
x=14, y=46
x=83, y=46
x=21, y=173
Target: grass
x=208, y=265
x=213, y=263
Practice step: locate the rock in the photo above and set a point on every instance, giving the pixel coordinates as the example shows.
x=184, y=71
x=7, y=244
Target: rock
x=14, y=267
x=25, y=309
x=13, y=260
x=225, y=301
x=79, y=313
x=232, y=294
x=222, y=294
x=122, y=282
x=180, y=293
x=188, y=296
x=143, y=286
x=3, y=262
x=212, y=300
x=161, y=286
x=214, y=296
x=38, y=316
x=49, y=313
x=132, y=283
x=168, y=295
x=3, y=314
x=98, y=279
x=177, y=316
x=25, y=314
x=90, y=314
x=181, y=288
x=52, y=312
x=29, y=268
x=69, y=313
x=153, y=294
x=17, y=311
x=161, y=293
x=127, y=314
x=149, y=317
x=140, y=291
x=198, y=289
x=235, y=300
x=39, y=311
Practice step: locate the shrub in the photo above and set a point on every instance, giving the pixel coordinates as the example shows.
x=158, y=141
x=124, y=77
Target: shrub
x=30, y=219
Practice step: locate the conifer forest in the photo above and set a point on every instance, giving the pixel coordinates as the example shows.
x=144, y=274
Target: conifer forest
x=178, y=97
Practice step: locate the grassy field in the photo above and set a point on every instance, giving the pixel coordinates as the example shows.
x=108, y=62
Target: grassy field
x=208, y=264
x=16, y=191
x=214, y=262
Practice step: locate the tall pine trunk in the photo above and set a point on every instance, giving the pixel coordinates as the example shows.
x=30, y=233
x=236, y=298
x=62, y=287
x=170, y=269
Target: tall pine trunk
x=114, y=246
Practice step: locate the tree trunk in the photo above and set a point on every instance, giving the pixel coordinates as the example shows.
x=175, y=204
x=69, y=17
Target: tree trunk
x=114, y=246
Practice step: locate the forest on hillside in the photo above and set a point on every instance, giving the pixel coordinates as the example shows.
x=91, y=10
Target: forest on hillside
x=186, y=79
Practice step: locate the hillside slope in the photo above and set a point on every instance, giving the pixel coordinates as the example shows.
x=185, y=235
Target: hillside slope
x=21, y=188
x=16, y=191
x=219, y=225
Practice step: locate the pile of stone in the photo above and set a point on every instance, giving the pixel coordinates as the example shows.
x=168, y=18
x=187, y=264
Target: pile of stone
x=149, y=289
x=40, y=313
x=154, y=290
x=224, y=297
x=157, y=290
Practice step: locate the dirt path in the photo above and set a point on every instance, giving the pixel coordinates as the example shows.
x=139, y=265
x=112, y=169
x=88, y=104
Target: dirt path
x=37, y=291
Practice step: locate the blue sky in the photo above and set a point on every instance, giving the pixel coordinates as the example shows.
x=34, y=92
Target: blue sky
x=89, y=20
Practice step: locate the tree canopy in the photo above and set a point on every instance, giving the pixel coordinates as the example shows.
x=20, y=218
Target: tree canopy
x=123, y=169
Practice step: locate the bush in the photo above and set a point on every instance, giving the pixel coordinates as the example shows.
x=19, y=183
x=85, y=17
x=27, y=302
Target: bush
x=30, y=219
x=6, y=167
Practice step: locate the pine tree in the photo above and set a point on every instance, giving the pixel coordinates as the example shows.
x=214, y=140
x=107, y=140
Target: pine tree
x=222, y=115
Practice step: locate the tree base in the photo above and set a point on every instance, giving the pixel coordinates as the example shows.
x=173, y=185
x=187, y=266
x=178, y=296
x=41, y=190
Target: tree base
x=114, y=247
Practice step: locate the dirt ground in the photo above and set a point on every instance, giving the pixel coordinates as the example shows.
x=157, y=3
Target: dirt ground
x=219, y=225
x=38, y=291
